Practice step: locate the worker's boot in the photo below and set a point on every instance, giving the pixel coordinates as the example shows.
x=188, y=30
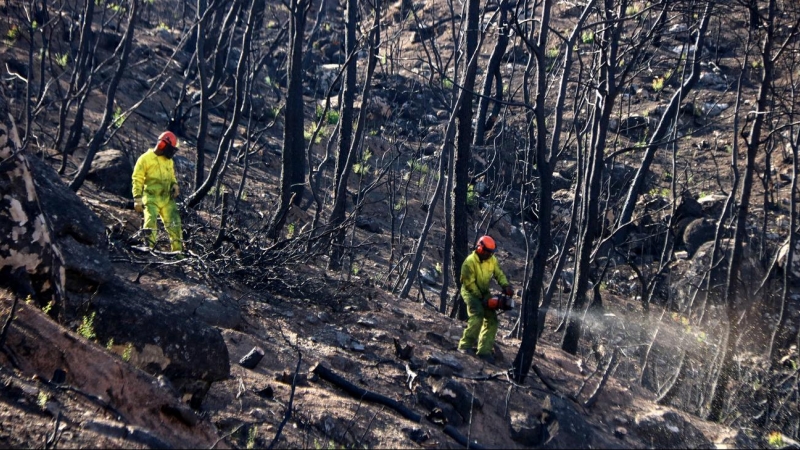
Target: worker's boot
x=487, y=358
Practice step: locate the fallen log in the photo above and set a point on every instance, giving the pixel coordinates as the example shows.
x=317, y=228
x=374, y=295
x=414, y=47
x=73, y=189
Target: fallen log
x=363, y=394
x=42, y=347
x=460, y=438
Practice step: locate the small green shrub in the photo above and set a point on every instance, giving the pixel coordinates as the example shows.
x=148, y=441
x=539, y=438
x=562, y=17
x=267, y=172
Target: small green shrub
x=447, y=83
x=42, y=399
x=775, y=439
x=126, y=354
x=86, y=328
x=110, y=344
x=251, y=437
x=472, y=197
x=13, y=33
x=119, y=118
x=658, y=84
x=552, y=53
x=290, y=229
x=62, y=60
x=587, y=37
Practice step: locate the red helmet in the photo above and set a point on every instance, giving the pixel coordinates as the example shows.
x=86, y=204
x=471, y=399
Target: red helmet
x=486, y=246
x=166, y=139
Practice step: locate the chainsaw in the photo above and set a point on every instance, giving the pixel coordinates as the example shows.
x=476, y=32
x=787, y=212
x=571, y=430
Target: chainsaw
x=499, y=302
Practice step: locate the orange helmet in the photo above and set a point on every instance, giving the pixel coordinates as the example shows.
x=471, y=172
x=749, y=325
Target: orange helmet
x=486, y=246
x=166, y=139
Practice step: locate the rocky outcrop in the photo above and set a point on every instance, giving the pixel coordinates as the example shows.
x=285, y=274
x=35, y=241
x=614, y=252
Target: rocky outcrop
x=76, y=229
x=31, y=262
x=200, y=303
x=668, y=429
x=148, y=412
x=162, y=339
x=111, y=171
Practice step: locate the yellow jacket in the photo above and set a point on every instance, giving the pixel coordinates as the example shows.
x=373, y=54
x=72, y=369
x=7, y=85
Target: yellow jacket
x=153, y=175
x=476, y=275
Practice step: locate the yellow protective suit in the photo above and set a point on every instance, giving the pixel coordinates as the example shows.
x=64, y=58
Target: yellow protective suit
x=482, y=323
x=153, y=180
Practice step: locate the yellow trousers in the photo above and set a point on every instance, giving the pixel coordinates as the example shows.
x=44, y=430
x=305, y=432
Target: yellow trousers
x=166, y=208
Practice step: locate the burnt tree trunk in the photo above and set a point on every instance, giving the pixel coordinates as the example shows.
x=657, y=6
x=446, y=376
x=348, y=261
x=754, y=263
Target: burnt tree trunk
x=463, y=153
x=293, y=158
x=124, y=50
x=732, y=285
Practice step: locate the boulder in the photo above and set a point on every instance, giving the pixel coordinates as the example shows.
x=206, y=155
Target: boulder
x=525, y=429
x=691, y=278
x=668, y=429
x=439, y=413
x=111, y=171
x=164, y=341
x=325, y=78
x=30, y=258
x=618, y=176
x=712, y=204
x=75, y=228
x=458, y=395
x=632, y=127
x=199, y=302
x=697, y=233
x=712, y=80
x=562, y=426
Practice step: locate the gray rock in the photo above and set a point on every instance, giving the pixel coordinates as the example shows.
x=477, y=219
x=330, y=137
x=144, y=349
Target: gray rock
x=714, y=109
x=691, y=280
x=111, y=171
x=77, y=230
x=356, y=346
x=343, y=339
x=563, y=427
x=440, y=410
x=447, y=360
x=188, y=352
x=712, y=204
x=367, y=322
x=458, y=395
x=439, y=370
x=525, y=429
x=200, y=302
x=712, y=80
x=668, y=429
x=368, y=225
x=429, y=276
x=86, y=266
x=697, y=233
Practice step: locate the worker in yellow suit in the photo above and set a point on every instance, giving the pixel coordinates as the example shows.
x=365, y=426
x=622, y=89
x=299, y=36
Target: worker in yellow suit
x=476, y=274
x=155, y=189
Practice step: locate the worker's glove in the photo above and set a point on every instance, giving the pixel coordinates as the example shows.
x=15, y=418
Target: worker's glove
x=138, y=205
x=508, y=290
x=176, y=191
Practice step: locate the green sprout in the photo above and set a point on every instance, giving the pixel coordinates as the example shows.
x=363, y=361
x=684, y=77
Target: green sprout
x=86, y=328
x=471, y=195
x=658, y=84
x=126, y=354
x=42, y=399
x=62, y=60
x=587, y=37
